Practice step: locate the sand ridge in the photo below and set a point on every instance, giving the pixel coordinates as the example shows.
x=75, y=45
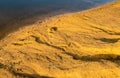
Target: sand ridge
x=76, y=45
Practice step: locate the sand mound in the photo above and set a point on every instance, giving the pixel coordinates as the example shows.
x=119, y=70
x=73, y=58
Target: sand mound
x=78, y=45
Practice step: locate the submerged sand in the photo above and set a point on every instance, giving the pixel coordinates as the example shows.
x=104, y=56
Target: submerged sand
x=76, y=45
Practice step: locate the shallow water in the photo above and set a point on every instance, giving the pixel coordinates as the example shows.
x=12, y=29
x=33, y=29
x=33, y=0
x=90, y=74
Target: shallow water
x=19, y=9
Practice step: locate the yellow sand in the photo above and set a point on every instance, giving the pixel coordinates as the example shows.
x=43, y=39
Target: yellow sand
x=77, y=45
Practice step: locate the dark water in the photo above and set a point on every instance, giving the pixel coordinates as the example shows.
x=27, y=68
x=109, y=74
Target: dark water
x=16, y=10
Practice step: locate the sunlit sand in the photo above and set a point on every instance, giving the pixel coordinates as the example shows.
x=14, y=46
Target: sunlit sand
x=74, y=45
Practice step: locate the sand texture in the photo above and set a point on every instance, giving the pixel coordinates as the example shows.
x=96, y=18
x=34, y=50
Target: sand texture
x=76, y=45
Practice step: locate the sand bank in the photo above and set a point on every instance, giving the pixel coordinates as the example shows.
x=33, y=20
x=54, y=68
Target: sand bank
x=76, y=45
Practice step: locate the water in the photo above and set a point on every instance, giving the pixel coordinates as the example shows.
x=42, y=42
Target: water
x=18, y=10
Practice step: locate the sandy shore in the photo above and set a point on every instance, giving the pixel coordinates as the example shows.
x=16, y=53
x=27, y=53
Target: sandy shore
x=12, y=21
x=10, y=25
x=75, y=45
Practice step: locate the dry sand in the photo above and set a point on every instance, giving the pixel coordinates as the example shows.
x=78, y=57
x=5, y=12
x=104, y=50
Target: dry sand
x=77, y=45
